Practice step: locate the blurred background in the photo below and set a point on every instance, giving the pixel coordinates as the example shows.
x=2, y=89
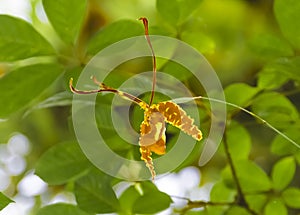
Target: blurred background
x=225, y=32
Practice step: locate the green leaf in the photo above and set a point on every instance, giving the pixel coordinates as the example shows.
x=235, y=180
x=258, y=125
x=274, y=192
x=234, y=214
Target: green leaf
x=275, y=207
x=271, y=46
x=152, y=200
x=252, y=178
x=33, y=80
x=280, y=146
x=239, y=142
x=256, y=202
x=221, y=193
x=278, y=72
x=62, y=163
x=200, y=41
x=61, y=209
x=114, y=33
x=283, y=173
x=66, y=17
x=4, y=201
x=237, y=210
x=94, y=194
x=169, y=10
x=239, y=94
x=286, y=13
x=187, y=7
x=291, y=197
x=275, y=108
x=19, y=40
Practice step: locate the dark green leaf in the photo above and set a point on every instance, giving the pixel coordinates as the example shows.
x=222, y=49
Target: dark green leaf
x=19, y=40
x=169, y=10
x=271, y=46
x=287, y=12
x=94, y=194
x=291, y=197
x=276, y=109
x=275, y=207
x=21, y=86
x=61, y=209
x=62, y=163
x=114, y=33
x=283, y=172
x=66, y=17
x=4, y=201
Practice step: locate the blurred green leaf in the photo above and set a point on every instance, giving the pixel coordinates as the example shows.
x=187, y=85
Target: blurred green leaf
x=65, y=18
x=239, y=94
x=275, y=207
x=283, y=172
x=33, y=80
x=61, y=209
x=280, y=146
x=4, y=201
x=291, y=197
x=239, y=142
x=287, y=12
x=251, y=177
x=19, y=40
x=221, y=193
x=275, y=108
x=169, y=10
x=271, y=46
x=114, y=33
x=187, y=7
x=237, y=210
x=62, y=163
x=200, y=41
x=278, y=72
x=145, y=199
x=94, y=194
x=256, y=202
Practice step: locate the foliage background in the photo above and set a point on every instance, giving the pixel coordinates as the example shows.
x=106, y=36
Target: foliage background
x=252, y=45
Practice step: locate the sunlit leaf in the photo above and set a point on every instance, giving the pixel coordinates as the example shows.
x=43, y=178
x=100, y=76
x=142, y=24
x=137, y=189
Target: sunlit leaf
x=275, y=207
x=291, y=197
x=4, y=201
x=33, y=80
x=283, y=172
x=187, y=7
x=256, y=202
x=65, y=19
x=286, y=12
x=19, y=40
x=61, y=209
x=114, y=33
x=62, y=163
x=94, y=194
x=237, y=210
x=200, y=41
x=221, y=193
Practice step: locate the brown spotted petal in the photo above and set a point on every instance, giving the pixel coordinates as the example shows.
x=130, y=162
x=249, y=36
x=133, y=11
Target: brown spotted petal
x=153, y=138
x=177, y=117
